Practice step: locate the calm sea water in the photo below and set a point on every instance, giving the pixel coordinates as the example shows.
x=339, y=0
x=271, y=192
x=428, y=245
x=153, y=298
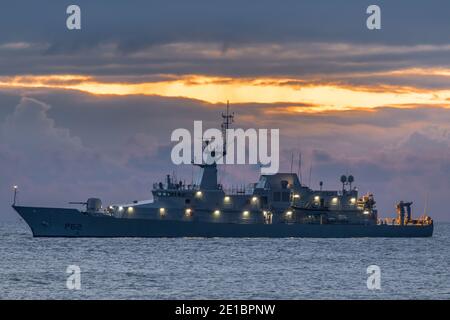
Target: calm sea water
x=223, y=268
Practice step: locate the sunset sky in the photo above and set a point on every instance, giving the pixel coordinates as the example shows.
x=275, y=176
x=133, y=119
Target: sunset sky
x=89, y=112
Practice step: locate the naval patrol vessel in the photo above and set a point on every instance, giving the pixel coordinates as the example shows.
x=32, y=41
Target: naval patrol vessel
x=276, y=206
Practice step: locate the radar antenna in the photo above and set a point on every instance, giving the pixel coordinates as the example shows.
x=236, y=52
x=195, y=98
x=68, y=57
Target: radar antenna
x=350, y=180
x=344, y=182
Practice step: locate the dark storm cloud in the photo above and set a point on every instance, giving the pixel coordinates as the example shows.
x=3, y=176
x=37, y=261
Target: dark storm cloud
x=237, y=38
x=300, y=60
x=143, y=23
x=264, y=59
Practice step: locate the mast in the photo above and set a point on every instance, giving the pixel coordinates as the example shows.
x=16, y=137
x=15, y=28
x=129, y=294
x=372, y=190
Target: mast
x=208, y=175
x=15, y=195
x=228, y=119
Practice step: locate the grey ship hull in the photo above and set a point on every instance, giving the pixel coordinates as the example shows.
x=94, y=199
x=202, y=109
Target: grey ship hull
x=57, y=222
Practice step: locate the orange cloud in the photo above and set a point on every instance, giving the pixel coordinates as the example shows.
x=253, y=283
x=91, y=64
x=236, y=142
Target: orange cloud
x=319, y=96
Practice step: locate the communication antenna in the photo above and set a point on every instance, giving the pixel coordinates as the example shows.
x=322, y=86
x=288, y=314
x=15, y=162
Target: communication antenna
x=299, y=173
x=292, y=160
x=425, y=208
x=310, y=172
x=228, y=119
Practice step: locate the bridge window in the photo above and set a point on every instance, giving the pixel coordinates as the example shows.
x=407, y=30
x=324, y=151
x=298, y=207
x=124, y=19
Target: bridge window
x=277, y=196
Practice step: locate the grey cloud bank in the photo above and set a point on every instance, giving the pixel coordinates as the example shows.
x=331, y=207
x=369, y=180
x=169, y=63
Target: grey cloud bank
x=239, y=38
x=144, y=23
